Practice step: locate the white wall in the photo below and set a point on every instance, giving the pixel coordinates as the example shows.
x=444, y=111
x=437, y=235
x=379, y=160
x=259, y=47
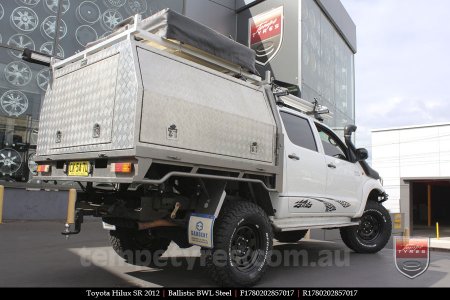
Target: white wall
x=415, y=152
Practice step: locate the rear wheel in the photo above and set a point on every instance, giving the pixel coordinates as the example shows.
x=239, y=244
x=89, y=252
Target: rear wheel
x=290, y=236
x=243, y=245
x=373, y=232
x=138, y=247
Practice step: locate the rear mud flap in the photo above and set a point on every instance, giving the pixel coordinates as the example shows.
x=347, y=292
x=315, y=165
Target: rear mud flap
x=200, y=230
x=201, y=224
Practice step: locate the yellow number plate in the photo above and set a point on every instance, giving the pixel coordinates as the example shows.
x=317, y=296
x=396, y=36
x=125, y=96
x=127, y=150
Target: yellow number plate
x=79, y=168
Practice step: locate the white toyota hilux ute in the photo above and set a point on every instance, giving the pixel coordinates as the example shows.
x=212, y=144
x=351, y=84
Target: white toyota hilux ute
x=172, y=137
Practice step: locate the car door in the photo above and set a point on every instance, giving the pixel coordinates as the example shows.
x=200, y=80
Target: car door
x=305, y=177
x=344, y=177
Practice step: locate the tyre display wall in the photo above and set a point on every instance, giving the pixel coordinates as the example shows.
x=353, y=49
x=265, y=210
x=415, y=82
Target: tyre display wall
x=33, y=24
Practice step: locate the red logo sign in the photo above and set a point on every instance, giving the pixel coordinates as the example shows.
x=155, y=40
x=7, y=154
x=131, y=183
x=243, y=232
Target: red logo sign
x=266, y=34
x=412, y=255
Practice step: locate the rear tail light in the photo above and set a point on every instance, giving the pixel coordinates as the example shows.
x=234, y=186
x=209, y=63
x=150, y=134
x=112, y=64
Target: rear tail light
x=124, y=168
x=43, y=168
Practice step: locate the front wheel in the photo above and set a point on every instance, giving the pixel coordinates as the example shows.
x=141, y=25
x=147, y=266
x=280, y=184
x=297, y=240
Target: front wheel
x=242, y=245
x=373, y=232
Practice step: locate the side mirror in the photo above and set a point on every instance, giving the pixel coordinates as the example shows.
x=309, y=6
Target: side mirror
x=362, y=154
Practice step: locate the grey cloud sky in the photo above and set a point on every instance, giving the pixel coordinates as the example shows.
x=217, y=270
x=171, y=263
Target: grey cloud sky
x=402, y=64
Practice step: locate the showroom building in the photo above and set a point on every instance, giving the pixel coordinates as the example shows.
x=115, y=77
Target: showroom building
x=414, y=163
x=310, y=49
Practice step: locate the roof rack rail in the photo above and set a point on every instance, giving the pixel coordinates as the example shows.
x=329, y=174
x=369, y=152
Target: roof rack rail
x=314, y=109
x=196, y=55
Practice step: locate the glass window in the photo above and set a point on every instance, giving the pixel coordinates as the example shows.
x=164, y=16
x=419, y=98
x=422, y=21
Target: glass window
x=299, y=131
x=332, y=145
x=340, y=121
x=24, y=24
x=327, y=63
x=344, y=84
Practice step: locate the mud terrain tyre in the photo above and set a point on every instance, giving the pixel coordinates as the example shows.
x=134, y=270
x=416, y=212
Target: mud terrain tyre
x=243, y=243
x=373, y=232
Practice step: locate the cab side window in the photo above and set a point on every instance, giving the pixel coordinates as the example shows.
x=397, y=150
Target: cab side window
x=332, y=145
x=299, y=131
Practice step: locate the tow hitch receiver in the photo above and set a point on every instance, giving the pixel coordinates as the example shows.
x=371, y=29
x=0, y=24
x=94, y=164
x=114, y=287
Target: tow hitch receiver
x=78, y=222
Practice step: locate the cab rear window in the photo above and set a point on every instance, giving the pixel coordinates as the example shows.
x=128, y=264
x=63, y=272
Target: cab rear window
x=299, y=131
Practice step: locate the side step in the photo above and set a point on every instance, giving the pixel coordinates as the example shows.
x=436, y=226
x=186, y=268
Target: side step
x=294, y=224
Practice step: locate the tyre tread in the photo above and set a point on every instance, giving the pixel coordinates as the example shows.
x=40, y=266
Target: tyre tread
x=231, y=212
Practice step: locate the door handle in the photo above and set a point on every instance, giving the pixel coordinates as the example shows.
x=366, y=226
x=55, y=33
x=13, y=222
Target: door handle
x=294, y=156
x=332, y=166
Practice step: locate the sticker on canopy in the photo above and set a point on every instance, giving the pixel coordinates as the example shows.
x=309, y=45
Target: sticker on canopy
x=266, y=34
x=201, y=230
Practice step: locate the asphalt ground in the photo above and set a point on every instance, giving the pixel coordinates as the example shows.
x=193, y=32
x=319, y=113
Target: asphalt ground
x=34, y=254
